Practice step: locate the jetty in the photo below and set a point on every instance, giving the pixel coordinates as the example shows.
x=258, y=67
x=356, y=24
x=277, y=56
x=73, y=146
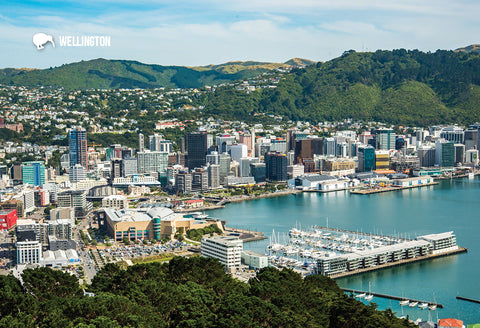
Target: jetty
x=370, y=191
x=391, y=297
x=468, y=299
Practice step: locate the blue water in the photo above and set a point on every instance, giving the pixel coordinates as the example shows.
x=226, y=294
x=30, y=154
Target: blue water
x=451, y=205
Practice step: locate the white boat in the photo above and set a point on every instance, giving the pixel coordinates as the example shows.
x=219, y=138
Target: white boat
x=369, y=297
x=432, y=307
x=423, y=305
x=413, y=304
x=471, y=175
x=404, y=302
x=362, y=295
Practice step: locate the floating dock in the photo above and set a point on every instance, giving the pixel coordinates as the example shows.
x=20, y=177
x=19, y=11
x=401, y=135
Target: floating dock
x=391, y=297
x=468, y=299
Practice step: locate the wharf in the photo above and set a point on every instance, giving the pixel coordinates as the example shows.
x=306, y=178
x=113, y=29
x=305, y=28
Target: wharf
x=397, y=263
x=246, y=235
x=468, y=299
x=391, y=297
x=390, y=188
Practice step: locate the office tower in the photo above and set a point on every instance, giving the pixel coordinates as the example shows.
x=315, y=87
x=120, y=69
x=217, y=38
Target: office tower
x=152, y=161
x=33, y=173
x=141, y=142
x=459, y=153
x=224, y=162
x=77, y=143
x=238, y=151
x=199, y=180
x=129, y=166
x=471, y=139
x=157, y=143
x=384, y=139
x=247, y=139
x=116, y=168
x=214, y=176
x=196, y=149
x=444, y=153
x=77, y=173
x=366, y=158
x=329, y=146
x=213, y=158
x=426, y=155
x=244, y=165
x=276, y=166
x=183, y=183
x=224, y=142
x=258, y=171
x=453, y=133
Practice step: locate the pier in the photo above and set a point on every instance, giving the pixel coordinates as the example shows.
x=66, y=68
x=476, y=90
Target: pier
x=400, y=262
x=389, y=188
x=245, y=235
x=391, y=297
x=468, y=299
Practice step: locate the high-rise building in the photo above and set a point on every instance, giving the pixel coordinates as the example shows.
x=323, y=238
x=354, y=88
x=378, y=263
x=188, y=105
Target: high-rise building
x=384, y=139
x=196, y=149
x=224, y=142
x=306, y=148
x=258, y=171
x=453, y=133
x=244, y=165
x=426, y=155
x=459, y=153
x=141, y=142
x=183, y=182
x=276, y=166
x=77, y=173
x=157, y=143
x=77, y=142
x=329, y=146
x=366, y=158
x=152, y=161
x=247, y=139
x=224, y=162
x=33, y=173
x=16, y=174
x=238, y=151
x=116, y=168
x=227, y=249
x=471, y=139
x=382, y=160
x=130, y=166
x=214, y=176
x=199, y=180
x=444, y=153
x=213, y=158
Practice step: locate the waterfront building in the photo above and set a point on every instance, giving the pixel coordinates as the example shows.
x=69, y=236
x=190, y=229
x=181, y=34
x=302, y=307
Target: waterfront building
x=444, y=153
x=239, y=181
x=317, y=182
x=459, y=153
x=244, y=165
x=471, y=139
x=258, y=171
x=471, y=156
x=196, y=149
x=276, y=166
x=77, y=145
x=426, y=155
x=33, y=173
x=412, y=182
x=227, y=249
x=366, y=158
x=382, y=160
x=254, y=260
x=295, y=170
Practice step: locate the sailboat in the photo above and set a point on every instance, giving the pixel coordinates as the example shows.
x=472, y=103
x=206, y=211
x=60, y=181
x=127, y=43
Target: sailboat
x=413, y=304
x=404, y=301
x=433, y=307
x=423, y=305
x=369, y=297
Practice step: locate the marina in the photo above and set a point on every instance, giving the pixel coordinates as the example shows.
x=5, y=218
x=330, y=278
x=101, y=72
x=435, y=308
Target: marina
x=396, y=298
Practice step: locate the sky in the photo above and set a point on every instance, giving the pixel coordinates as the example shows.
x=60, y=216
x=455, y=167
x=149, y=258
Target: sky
x=202, y=32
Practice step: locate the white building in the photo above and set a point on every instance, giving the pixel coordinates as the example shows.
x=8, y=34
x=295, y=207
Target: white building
x=254, y=260
x=115, y=201
x=77, y=173
x=227, y=249
x=295, y=170
x=238, y=151
x=28, y=252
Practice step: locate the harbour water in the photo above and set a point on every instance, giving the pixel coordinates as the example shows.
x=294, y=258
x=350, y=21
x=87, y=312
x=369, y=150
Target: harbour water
x=451, y=205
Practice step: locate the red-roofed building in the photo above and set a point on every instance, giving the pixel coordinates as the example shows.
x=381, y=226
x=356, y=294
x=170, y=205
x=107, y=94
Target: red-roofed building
x=442, y=323
x=8, y=219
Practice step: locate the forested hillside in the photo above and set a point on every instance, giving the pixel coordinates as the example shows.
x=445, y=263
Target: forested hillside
x=183, y=293
x=400, y=86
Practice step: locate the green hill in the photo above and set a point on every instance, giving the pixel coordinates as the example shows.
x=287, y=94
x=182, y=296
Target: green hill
x=102, y=73
x=192, y=292
x=400, y=86
x=471, y=48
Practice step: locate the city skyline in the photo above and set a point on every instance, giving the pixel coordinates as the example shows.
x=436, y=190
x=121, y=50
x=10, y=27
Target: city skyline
x=165, y=33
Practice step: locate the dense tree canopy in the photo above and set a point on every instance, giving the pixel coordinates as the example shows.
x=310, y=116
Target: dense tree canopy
x=191, y=292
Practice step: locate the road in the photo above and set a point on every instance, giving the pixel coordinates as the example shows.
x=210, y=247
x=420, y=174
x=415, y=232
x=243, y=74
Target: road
x=84, y=254
x=6, y=252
